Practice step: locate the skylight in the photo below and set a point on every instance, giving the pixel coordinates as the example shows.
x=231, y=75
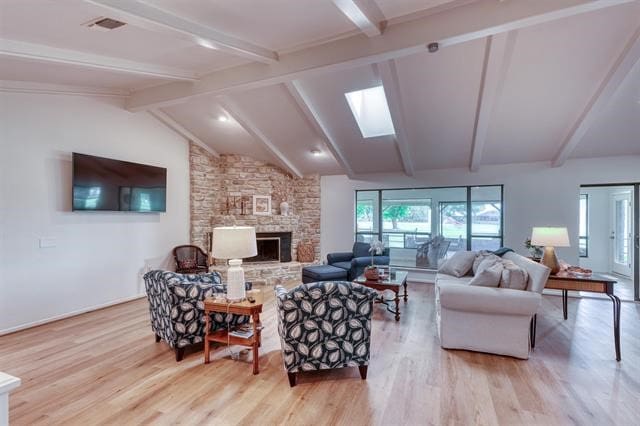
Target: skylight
x=371, y=111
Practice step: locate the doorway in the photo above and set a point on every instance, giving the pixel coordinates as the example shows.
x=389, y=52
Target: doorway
x=609, y=241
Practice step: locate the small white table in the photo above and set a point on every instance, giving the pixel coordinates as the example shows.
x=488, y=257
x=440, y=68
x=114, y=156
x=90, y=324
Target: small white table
x=7, y=384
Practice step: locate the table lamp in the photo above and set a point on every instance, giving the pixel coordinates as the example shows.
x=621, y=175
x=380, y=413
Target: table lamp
x=234, y=243
x=550, y=237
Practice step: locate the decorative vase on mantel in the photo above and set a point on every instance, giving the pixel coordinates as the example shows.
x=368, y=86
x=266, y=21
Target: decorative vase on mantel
x=284, y=208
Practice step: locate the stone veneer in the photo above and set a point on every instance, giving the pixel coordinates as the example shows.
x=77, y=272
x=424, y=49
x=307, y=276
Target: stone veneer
x=213, y=179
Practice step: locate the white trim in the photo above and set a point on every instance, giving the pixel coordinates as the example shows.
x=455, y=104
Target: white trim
x=151, y=17
x=10, y=86
x=234, y=110
x=629, y=57
x=43, y=53
x=391, y=83
x=472, y=21
x=365, y=14
x=314, y=120
x=497, y=59
x=172, y=124
x=70, y=314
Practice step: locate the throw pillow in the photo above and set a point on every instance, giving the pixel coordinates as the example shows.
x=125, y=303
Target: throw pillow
x=513, y=276
x=489, y=276
x=459, y=264
x=481, y=257
x=187, y=264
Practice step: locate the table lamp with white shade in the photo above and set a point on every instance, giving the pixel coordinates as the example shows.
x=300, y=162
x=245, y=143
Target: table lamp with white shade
x=549, y=238
x=234, y=243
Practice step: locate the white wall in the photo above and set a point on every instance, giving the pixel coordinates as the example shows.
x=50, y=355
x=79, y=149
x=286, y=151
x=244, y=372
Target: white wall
x=534, y=195
x=98, y=258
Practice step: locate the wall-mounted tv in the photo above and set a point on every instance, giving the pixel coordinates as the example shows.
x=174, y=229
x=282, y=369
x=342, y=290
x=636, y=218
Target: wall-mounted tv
x=103, y=184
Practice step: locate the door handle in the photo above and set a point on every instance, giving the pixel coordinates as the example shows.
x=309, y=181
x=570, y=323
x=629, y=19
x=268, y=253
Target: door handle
x=638, y=241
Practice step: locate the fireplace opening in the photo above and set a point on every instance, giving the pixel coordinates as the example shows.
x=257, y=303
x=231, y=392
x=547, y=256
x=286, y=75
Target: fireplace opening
x=268, y=250
x=272, y=247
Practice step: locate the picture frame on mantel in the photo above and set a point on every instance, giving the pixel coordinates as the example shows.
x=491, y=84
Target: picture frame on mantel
x=262, y=205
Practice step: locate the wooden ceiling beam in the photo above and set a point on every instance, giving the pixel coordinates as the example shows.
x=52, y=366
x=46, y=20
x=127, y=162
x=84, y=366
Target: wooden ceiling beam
x=178, y=128
x=623, y=65
x=458, y=25
x=391, y=83
x=150, y=17
x=497, y=59
x=242, y=118
x=43, y=53
x=315, y=121
x=365, y=14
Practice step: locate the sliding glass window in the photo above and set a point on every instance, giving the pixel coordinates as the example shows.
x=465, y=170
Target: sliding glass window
x=407, y=219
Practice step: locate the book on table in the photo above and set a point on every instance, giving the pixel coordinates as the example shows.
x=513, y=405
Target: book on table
x=243, y=332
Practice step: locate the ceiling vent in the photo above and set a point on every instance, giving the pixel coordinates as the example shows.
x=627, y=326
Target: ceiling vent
x=104, y=24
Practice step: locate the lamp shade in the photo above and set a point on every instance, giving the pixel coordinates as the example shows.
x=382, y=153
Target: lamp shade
x=550, y=237
x=234, y=242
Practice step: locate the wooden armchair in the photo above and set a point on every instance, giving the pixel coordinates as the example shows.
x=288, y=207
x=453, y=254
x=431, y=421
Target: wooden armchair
x=190, y=260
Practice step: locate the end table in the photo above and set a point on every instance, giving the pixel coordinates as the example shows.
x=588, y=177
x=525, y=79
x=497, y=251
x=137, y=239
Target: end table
x=245, y=307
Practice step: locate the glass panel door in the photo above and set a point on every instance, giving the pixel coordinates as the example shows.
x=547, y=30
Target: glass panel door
x=622, y=233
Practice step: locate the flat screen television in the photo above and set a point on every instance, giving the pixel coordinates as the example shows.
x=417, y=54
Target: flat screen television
x=103, y=184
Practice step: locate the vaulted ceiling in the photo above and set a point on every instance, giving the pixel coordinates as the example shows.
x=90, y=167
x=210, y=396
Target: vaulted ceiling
x=512, y=80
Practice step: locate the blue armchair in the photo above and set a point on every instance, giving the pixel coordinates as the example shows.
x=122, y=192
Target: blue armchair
x=357, y=259
x=176, y=305
x=324, y=325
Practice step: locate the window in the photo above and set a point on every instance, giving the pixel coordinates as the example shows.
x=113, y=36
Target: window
x=405, y=219
x=406, y=223
x=371, y=111
x=583, y=246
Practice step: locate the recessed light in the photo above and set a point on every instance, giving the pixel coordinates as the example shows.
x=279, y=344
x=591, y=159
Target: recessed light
x=223, y=118
x=316, y=152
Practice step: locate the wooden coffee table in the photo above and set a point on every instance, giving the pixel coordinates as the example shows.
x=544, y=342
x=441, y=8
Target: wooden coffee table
x=388, y=283
x=222, y=336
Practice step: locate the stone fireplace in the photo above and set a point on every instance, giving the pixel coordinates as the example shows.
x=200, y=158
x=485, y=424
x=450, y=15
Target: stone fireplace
x=217, y=180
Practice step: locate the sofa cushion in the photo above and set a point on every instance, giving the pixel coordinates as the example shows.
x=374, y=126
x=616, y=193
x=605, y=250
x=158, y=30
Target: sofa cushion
x=481, y=257
x=513, y=276
x=489, y=274
x=459, y=264
x=324, y=272
x=444, y=279
x=361, y=249
x=343, y=265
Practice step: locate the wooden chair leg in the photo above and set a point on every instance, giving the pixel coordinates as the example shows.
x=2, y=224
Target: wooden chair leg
x=292, y=379
x=363, y=371
x=179, y=354
x=157, y=338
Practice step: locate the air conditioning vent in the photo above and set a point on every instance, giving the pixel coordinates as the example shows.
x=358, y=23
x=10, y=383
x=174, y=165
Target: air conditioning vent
x=104, y=24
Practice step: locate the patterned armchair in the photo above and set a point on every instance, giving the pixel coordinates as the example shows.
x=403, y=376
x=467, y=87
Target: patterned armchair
x=176, y=305
x=324, y=325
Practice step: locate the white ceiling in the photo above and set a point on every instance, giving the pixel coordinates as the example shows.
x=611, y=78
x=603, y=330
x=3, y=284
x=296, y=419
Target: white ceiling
x=524, y=112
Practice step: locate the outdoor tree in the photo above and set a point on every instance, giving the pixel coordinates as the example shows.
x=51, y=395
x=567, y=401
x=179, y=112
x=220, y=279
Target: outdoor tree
x=395, y=213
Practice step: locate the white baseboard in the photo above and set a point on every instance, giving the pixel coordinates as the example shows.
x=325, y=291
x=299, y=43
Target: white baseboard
x=70, y=314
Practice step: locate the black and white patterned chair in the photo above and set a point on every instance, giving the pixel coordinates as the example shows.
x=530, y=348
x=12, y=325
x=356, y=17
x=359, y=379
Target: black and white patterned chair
x=325, y=325
x=176, y=305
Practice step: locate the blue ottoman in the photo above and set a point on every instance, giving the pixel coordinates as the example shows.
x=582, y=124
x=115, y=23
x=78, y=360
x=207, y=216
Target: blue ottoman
x=312, y=274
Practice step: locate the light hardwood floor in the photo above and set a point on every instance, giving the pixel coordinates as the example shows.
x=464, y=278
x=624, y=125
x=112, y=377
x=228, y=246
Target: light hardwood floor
x=104, y=368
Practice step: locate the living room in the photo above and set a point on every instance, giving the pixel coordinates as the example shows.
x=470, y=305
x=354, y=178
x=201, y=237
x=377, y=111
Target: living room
x=443, y=130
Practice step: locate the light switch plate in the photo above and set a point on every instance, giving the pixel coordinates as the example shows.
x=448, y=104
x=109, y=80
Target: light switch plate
x=47, y=242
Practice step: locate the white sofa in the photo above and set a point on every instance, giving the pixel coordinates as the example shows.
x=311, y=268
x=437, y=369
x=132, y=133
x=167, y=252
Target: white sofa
x=486, y=319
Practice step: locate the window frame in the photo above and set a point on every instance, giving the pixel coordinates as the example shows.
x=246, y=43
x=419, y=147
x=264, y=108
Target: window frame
x=468, y=188
x=586, y=226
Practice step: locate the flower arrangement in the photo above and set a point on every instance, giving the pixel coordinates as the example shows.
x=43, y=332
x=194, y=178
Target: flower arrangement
x=536, y=251
x=371, y=271
x=376, y=248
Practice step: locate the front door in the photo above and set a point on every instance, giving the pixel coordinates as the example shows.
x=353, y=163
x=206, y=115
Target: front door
x=622, y=233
